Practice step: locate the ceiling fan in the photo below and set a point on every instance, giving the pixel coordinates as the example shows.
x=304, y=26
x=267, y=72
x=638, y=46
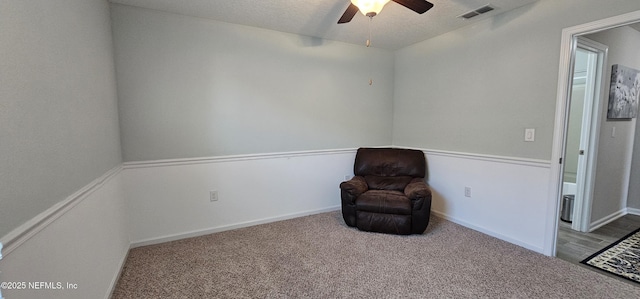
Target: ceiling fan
x=371, y=8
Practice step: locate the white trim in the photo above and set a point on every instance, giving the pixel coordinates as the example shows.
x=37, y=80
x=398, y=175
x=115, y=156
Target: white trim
x=208, y=231
x=114, y=281
x=487, y=231
x=633, y=211
x=557, y=151
x=1, y=272
x=607, y=219
x=490, y=158
x=24, y=232
x=276, y=155
x=604, y=24
x=232, y=158
x=566, y=44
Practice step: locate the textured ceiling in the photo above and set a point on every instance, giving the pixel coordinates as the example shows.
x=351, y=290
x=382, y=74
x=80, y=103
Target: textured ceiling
x=395, y=27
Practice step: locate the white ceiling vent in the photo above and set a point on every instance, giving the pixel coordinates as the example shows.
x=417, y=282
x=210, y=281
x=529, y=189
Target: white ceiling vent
x=476, y=12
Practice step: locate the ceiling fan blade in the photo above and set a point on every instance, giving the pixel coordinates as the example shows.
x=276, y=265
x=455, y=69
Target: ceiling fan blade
x=419, y=6
x=348, y=14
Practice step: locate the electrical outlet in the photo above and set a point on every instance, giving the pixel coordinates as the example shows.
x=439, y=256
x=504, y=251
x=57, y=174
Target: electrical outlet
x=213, y=195
x=467, y=191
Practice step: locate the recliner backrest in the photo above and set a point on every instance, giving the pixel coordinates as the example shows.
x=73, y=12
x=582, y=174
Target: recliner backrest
x=389, y=168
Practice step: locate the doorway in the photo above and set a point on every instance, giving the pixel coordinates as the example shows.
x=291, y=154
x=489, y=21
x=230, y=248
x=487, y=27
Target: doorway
x=583, y=125
x=568, y=45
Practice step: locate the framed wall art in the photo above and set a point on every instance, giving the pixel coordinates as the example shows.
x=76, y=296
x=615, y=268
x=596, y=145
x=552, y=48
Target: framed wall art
x=624, y=92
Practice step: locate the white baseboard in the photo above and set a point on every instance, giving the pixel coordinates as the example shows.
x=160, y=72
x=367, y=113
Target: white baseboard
x=633, y=211
x=488, y=232
x=229, y=227
x=606, y=220
x=116, y=277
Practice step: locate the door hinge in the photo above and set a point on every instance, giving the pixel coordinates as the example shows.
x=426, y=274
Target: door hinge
x=560, y=162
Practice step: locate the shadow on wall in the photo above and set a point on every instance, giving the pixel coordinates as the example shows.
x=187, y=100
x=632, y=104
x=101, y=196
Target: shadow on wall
x=310, y=41
x=426, y=171
x=505, y=18
x=321, y=25
x=439, y=201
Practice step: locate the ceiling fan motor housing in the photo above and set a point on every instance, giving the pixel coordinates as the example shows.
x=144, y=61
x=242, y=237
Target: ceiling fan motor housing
x=370, y=8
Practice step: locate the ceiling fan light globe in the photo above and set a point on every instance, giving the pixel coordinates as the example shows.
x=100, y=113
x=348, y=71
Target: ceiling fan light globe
x=368, y=7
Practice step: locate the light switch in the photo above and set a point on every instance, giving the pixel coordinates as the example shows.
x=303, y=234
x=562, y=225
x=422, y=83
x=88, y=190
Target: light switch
x=529, y=135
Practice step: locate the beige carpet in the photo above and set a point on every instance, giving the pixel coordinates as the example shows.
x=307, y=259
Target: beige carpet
x=320, y=257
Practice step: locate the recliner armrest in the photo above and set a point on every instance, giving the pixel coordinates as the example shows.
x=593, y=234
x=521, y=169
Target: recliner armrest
x=417, y=189
x=420, y=195
x=355, y=186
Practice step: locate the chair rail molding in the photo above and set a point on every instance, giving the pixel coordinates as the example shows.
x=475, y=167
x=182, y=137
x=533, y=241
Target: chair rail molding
x=24, y=232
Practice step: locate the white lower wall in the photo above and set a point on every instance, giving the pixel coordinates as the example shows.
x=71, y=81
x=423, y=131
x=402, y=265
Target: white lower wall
x=169, y=199
x=82, y=242
x=509, y=196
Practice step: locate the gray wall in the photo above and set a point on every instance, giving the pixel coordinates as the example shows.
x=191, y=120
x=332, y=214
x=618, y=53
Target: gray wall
x=614, y=153
x=58, y=113
x=476, y=89
x=191, y=87
x=617, y=156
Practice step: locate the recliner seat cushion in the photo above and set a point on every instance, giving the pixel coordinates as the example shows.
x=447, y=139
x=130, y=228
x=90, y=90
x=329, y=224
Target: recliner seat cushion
x=397, y=183
x=384, y=201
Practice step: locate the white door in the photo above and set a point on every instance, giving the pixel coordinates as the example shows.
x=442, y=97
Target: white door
x=585, y=106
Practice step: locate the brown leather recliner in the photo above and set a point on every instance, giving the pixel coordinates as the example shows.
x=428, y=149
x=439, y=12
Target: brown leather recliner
x=388, y=193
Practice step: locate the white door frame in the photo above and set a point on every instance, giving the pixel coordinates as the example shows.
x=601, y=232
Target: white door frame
x=568, y=42
x=585, y=179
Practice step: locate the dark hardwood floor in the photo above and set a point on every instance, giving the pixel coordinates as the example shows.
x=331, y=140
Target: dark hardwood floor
x=574, y=246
